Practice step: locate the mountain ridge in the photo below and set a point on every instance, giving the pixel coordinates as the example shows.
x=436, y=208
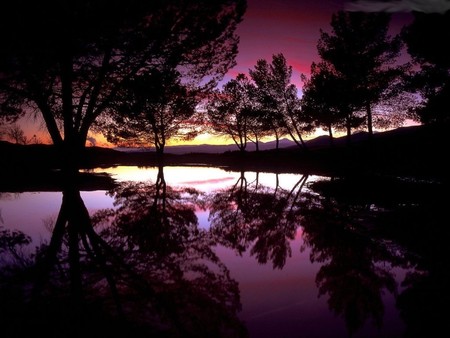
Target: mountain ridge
x=210, y=148
x=321, y=141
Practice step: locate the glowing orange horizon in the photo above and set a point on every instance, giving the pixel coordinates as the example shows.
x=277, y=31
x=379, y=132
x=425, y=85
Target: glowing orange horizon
x=38, y=135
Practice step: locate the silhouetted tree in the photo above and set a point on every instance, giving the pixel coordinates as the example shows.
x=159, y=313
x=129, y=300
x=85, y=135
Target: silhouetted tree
x=16, y=134
x=230, y=111
x=360, y=50
x=424, y=38
x=323, y=100
x=271, y=118
x=156, y=108
x=277, y=97
x=68, y=61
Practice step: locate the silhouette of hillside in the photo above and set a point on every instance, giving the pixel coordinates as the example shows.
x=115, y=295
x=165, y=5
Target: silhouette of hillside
x=408, y=151
x=211, y=148
x=319, y=142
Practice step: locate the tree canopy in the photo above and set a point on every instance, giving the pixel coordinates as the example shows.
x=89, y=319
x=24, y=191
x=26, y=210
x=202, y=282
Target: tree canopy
x=325, y=100
x=156, y=107
x=424, y=38
x=68, y=61
x=278, y=98
x=361, y=51
x=230, y=110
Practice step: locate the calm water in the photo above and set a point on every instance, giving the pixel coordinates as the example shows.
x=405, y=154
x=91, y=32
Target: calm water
x=204, y=252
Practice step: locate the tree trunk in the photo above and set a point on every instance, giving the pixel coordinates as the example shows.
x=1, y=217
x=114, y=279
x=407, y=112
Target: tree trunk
x=369, y=120
x=242, y=144
x=277, y=183
x=299, y=142
x=48, y=257
x=277, y=140
x=349, y=130
x=302, y=142
x=50, y=122
x=299, y=135
x=330, y=133
x=74, y=263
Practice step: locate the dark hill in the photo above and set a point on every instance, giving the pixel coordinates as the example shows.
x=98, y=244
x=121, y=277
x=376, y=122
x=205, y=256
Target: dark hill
x=211, y=148
x=406, y=151
x=323, y=141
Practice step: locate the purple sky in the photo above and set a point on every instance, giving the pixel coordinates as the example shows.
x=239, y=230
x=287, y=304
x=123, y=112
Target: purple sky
x=291, y=27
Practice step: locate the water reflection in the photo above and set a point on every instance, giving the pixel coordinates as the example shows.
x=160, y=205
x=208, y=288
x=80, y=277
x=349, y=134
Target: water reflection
x=146, y=268
x=142, y=269
x=360, y=234
x=356, y=266
x=252, y=215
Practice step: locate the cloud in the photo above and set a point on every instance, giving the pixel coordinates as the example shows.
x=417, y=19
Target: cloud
x=425, y=6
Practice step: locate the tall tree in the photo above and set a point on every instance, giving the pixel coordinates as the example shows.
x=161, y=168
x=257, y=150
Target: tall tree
x=361, y=50
x=424, y=38
x=157, y=107
x=258, y=128
x=69, y=60
x=270, y=116
x=325, y=101
x=279, y=97
x=230, y=111
x=287, y=100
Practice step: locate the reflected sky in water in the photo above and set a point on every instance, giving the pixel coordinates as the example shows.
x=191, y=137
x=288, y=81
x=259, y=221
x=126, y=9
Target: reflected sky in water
x=30, y=212
x=205, y=179
x=306, y=259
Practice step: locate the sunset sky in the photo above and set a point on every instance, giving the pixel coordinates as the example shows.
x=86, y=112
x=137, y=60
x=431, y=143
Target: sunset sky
x=291, y=27
x=282, y=26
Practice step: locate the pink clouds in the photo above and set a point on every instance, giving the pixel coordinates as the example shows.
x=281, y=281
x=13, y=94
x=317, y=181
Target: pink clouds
x=301, y=66
x=291, y=27
x=282, y=26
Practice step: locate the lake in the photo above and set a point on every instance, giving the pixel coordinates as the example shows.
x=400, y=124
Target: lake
x=205, y=252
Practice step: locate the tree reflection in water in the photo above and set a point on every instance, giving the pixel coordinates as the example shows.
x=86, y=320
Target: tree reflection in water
x=356, y=265
x=356, y=268
x=249, y=214
x=360, y=228
x=145, y=268
x=142, y=269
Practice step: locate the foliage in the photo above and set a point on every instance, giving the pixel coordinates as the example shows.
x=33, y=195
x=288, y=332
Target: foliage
x=230, y=110
x=424, y=38
x=12, y=243
x=157, y=107
x=16, y=134
x=364, y=55
x=69, y=61
x=144, y=268
x=325, y=100
x=253, y=217
x=278, y=99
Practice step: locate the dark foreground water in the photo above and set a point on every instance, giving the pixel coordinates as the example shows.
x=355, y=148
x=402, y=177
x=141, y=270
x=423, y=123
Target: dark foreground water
x=202, y=252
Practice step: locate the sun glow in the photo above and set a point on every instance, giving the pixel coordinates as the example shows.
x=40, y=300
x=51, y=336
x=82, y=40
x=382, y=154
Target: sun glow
x=204, y=138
